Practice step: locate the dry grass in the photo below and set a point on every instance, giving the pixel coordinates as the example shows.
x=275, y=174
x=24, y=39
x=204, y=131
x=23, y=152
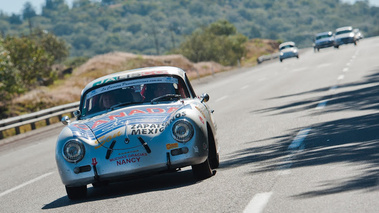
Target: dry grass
x=69, y=89
x=258, y=47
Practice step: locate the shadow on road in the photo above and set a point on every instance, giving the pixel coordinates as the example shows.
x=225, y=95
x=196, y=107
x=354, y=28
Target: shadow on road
x=123, y=189
x=348, y=140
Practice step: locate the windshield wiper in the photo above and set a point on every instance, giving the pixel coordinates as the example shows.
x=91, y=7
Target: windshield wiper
x=166, y=97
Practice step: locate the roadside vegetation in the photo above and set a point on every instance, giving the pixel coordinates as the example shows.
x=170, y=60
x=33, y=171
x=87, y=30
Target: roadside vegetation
x=35, y=74
x=151, y=27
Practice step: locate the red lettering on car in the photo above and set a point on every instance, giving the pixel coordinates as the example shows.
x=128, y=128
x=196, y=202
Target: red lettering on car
x=122, y=114
x=135, y=111
x=155, y=110
x=97, y=123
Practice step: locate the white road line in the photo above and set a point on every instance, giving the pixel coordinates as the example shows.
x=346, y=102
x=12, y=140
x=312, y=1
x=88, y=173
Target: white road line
x=323, y=65
x=258, y=203
x=348, y=64
x=245, y=87
x=299, y=69
x=222, y=98
x=340, y=77
x=345, y=69
x=261, y=79
x=321, y=104
x=297, y=143
x=25, y=184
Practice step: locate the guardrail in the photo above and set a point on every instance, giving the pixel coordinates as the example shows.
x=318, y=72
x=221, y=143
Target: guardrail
x=32, y=118
x=263, y=58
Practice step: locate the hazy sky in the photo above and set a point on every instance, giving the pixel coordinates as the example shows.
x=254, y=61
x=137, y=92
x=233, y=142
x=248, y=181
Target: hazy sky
x=16, y=6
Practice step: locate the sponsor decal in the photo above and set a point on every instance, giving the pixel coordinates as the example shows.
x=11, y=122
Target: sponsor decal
x=105, y=81
x=94, y=162
x=127, y=161
x=172, y=146
x=124, y=153
x=107, y=138
x=201, y=119
x=131, y=75
x=146, y=129
x=151, y=129
x=201, y=111
x=81, y=126
x=154, y=110
x=127, y=157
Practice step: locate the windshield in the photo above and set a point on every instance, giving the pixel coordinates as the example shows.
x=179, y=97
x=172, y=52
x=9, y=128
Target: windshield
x=343, y=32
x=130, y=92
x=286, y=47
x=324, y=36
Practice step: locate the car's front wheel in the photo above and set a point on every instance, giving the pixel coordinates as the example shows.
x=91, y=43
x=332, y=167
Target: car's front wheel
x=77, y=192
x=202, y=171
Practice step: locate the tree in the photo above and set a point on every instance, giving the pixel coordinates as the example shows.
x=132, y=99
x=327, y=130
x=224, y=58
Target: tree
x=15, y=19
x=218, y=42
x=28, y=11
x=52, y=45
x=29, y=59
x=9, y=85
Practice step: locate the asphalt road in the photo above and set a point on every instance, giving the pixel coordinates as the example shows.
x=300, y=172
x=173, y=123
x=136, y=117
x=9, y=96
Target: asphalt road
x=296, y=136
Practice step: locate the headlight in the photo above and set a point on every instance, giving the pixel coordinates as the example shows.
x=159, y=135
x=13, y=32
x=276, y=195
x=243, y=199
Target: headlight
x=73, y=151
x=182, y=131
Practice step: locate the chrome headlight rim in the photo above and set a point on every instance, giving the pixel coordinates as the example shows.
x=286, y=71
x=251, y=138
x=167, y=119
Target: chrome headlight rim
x=73, y=151
x=182, y=131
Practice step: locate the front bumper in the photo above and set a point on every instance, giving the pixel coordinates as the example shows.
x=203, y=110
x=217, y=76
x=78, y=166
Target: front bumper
x=166, y=154
x=347, y=40
x=288, y=55
x=324, y=44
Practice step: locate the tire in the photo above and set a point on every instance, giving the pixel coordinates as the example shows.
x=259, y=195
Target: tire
x=281, y=60
x=214, y=158
x=75, y=193
x=99, y=184
x=202, y=171
x=215, y=161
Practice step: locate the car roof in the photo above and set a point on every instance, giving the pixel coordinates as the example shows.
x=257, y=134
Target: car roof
x=344, y=28
x=286, y=43
x=324, y=33
x=147, y=71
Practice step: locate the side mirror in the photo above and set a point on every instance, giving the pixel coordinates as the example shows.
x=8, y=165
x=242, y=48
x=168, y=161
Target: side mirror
x=65, y=120
x=77, y=113
x=204, y=97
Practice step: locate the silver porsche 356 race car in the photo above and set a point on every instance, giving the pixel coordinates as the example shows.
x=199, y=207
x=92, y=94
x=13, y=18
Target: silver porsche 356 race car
x=136, y=123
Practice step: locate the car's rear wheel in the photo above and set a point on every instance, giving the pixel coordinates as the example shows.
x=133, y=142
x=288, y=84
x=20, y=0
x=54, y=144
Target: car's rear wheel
x=202, y=171
x=77, y=192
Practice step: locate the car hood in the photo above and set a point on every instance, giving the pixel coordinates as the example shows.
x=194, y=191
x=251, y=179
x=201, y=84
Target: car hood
x=149, y=120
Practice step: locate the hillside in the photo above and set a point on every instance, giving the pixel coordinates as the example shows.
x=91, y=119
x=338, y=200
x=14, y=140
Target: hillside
x=152, y=27
x=68, y=89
